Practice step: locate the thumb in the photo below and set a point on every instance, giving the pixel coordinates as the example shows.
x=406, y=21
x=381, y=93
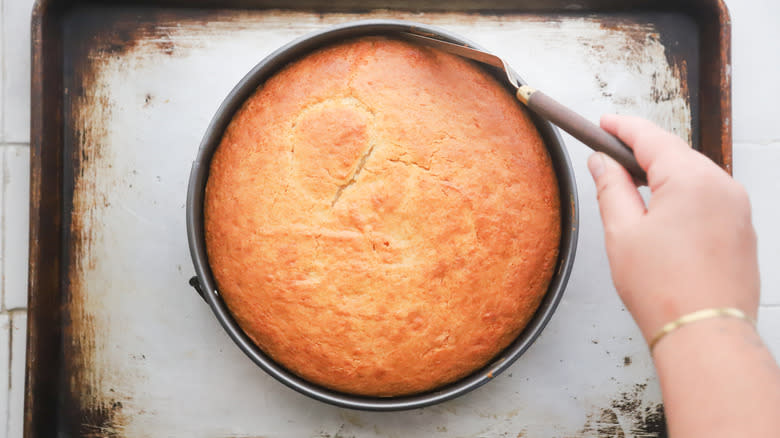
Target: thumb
x=619, y=199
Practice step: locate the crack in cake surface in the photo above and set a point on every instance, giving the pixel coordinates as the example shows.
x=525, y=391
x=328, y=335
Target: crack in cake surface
x=353, y=179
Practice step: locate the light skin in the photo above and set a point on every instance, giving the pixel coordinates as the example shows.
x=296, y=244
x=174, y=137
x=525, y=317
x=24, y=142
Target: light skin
x=692, y=247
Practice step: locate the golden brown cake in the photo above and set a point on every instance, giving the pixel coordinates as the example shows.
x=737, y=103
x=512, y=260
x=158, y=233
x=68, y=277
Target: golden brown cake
x=382, y=218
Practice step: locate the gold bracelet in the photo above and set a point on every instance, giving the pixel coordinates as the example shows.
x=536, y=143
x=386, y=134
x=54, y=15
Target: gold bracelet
x=698, y=316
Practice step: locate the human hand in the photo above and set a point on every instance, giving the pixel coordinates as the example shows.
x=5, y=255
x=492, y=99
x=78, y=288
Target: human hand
x=693, y=246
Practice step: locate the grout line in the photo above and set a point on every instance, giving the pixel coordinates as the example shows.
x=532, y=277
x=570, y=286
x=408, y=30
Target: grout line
x=11, y=144
x=10, y=310
x=10, y=348
x=10, y=364
x=10, y=379
x=770, y=142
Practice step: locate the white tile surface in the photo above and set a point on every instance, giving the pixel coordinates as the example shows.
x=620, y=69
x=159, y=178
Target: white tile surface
x=3, y=178
x=2, y=76
x=4, y=370
x=16, y=65
x=769, y=328
x=16, y=205
x=755, y=166
x=755, y=67
x=16, y=389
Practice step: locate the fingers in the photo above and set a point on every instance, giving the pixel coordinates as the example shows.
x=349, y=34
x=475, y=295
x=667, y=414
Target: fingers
x=619, y=201
x=658, y=152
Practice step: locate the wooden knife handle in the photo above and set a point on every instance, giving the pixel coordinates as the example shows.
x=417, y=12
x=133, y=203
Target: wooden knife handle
x=582, y=129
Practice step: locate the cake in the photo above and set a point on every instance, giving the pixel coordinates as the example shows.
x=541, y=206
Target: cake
x=381, y=218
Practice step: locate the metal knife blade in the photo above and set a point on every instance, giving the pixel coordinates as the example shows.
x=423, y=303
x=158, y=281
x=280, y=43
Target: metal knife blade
x=464, y=51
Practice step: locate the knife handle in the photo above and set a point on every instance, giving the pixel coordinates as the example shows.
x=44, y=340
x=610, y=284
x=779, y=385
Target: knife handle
x=582, y=129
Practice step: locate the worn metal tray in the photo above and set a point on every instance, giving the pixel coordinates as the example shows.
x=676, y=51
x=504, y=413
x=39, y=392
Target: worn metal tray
x=122, y=91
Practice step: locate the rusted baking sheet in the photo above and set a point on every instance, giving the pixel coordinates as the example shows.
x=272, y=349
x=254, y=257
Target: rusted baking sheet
x=119, y=345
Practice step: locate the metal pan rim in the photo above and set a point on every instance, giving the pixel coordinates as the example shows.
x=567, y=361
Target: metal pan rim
x=195, y=233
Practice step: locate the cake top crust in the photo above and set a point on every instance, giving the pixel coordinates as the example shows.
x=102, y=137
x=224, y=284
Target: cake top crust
x=382, y=218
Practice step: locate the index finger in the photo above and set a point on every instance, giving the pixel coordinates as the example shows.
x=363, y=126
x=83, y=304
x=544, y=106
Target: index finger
x=651, y=144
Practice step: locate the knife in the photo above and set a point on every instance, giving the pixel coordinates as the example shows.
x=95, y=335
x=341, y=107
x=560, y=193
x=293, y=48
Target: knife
x=545, y=106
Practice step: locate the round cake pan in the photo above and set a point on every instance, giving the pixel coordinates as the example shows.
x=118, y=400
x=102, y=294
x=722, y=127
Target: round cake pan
x=204, y=281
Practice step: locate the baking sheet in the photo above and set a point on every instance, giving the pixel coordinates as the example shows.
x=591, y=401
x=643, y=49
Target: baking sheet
x=142, y=353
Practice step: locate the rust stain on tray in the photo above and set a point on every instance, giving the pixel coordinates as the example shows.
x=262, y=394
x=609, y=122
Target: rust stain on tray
x=630, y=408
x=93, y=410
x=646, y=44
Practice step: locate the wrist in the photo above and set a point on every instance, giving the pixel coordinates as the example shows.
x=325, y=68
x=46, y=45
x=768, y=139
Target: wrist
x=718, y=379
x=706, y=334
x=653, y=319
x=699, y=316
